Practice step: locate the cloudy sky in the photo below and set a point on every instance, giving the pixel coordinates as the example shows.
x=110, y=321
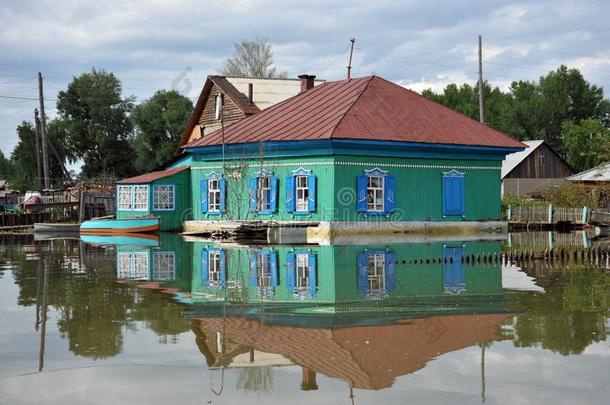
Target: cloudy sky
x=167, y=44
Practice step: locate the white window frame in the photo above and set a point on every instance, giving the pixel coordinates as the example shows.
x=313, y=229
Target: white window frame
x=301, y=193
x=218, y=102
x=264, y=270
x=264, y=193
x=171, y=205
x=375, y=264
x=214, y=195
x=376, y=191
x=164, y=266
x=133, y=265
x=214, y=267
x=120, y=194
x=137, y=188
x=301, y=281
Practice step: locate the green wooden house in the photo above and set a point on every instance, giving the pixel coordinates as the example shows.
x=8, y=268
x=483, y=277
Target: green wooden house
x=358, y=156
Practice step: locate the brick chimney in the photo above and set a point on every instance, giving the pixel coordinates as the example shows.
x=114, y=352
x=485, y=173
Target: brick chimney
x=306, y=82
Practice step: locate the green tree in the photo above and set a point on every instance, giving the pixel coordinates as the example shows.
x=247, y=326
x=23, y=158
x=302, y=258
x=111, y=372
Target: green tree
x=532, y=109
x=586, y=144
x=24, y=159
x=6, y=167
x=252, y=59
x=96, y=125
x=159, y=124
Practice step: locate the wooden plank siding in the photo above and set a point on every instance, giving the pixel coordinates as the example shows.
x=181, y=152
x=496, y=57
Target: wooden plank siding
x=531, y=168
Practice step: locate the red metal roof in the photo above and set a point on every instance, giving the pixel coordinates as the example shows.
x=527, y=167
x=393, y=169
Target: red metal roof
x=152, y=176
x=367, y=108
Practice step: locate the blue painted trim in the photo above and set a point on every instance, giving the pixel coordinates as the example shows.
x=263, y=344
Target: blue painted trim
x=353, y=147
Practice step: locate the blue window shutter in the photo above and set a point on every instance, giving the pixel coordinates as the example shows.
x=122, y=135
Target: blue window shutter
x=290, y=194
x=273, y=201
x=390, y=271
x=204, y=195
x=361, y=202
x=290, y=270
x=223, y=194
x=312, y=275
x=273, y=268
x=453, y=195
x=363, y=274
x=311, y=186
x=454, y=273
x=205, y=268
x=390, y=194
x=252, y=256
x=253, y=192
x=223, y=268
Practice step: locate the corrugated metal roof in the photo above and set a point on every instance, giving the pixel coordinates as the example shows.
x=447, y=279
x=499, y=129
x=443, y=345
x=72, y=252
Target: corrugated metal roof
x=599, y=173
x=268, y=92
x=152, y=176
x=368, y=108
x=514, y=159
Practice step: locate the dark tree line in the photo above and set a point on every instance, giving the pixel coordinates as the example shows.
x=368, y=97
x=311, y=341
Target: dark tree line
x=562, y=108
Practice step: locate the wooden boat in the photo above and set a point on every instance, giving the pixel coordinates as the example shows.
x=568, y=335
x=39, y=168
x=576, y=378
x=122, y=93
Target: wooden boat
x=56, y=228
x=107, y=226
x=133, y=239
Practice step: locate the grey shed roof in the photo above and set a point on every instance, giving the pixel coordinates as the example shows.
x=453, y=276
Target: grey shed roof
x=600, y=173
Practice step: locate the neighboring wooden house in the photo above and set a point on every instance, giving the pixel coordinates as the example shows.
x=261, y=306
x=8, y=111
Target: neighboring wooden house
x=530, y=171
x=347, y=157
x=596, y=177
x=225, y=100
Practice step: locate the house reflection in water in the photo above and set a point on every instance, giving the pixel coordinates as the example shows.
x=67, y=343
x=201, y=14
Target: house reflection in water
x=363, y=314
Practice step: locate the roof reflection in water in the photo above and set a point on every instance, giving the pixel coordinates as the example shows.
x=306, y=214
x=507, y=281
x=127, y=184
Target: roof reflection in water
x=363, y=314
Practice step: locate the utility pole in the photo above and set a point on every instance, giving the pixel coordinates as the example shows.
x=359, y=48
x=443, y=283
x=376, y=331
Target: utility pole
x=481, y=113
x=43, y=133
x=351, y=52
x=38, y=162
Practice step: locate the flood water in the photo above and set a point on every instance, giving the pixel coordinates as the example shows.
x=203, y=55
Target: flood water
x=170, y=321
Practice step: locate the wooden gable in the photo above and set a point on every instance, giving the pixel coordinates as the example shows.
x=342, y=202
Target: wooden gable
x=542, y=163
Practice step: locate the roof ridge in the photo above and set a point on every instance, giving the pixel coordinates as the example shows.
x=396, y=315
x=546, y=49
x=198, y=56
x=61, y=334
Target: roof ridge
x=368, y=82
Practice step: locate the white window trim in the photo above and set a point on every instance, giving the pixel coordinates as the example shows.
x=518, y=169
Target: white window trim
x=382, y=188
x=379, y=267
x=210, y=191
x=304, y=203
x=172, y=188
x=211, y=259
x=133, y=258
x=171, y=274
x=133, y=198
x=303, y=258
x=260, y=190
x=130, y=192
x=263, y=263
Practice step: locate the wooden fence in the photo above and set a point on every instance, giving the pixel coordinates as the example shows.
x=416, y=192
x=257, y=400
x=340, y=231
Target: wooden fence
x=547, y=214
x=600, y=218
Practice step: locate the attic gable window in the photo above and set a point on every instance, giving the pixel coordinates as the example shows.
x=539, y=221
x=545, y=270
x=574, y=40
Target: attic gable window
x=218, y=102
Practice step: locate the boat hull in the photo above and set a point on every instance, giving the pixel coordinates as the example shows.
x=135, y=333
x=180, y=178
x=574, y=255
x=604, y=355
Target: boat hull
x=120, y=226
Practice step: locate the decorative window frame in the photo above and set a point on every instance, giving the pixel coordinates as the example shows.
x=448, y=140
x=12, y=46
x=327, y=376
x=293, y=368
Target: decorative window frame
x=171, y=271
x=215, y=176
x=137, y=260
x=133, y=197
x=172, y=189
x=386, y=194
x=129, y=190
x=260, y=210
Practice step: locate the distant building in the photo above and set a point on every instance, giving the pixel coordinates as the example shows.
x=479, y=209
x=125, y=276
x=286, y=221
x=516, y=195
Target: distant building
x=236, y=98
x=530, y=171
x=598, y=176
